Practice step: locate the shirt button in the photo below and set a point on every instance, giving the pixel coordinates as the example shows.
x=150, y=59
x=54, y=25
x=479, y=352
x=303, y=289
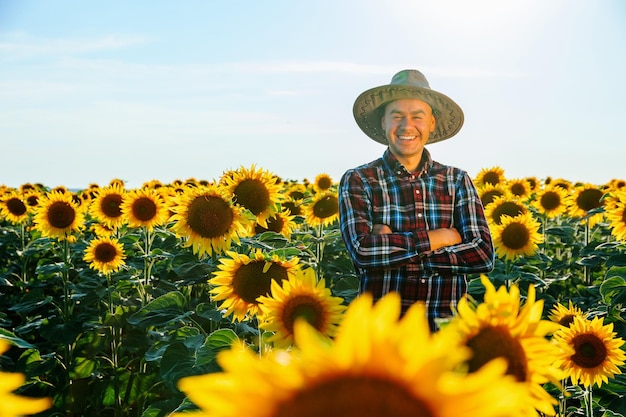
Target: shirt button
x=419, y=215
x=417, y=191
x=423, y=281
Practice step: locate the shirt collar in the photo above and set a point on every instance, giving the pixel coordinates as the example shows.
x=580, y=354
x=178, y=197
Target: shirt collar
x=395, y=165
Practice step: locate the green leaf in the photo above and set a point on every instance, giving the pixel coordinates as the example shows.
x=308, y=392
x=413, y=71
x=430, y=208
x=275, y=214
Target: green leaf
x=164, y=309
x=217, y=341
x=14, y=340
x=613, y=286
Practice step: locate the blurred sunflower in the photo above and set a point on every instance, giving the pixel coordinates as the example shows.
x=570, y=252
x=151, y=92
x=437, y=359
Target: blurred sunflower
x=13, y=208
x=519, y=188
x=58, y=216
x=322, y=209
x=207, y=218
x=616, y=215
x=12, y=405
x=591, y=352
x=106, y=207
x=550, y=201
x=371, y=369
x=583, y=199
x=105, y=255
x=322, y=183
x=144, y=207
x=533, y=183
x=257, y=190
x=565, y=315
x=501, y=327
x=503, y=206
x=282, y=223
x=516, y=236
x=296, y=191
x=31, y=199
x=241, y=280
x=490, y=192
x=300, y=296
x=492, y=176
x=561, y=183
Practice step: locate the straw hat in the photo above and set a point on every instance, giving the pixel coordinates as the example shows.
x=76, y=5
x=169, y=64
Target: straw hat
x=407, y=84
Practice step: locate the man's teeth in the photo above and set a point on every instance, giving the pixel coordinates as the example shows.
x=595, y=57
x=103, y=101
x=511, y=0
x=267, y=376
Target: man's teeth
x=406, y=137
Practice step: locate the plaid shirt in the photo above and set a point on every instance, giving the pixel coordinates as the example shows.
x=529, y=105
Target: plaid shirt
x=435, y=196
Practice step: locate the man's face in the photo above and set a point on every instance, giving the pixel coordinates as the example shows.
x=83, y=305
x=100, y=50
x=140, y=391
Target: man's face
x=407, y=124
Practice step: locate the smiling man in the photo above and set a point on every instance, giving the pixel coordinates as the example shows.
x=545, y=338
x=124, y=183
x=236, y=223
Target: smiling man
x=411, y=224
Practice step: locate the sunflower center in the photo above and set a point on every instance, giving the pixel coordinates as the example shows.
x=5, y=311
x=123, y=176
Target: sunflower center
x=326, y=207
x=111, y=205
x=303, y=306
x=590, y=351
x=515, y=236
x=352, y=396
x=589, y=199
x=274, y=224
x=144, y=209
x=566, y=320
x=550, y=200
x=508, y=208
x=16, y=206
x=61, y=214
x=32, y=200
x=105, y=252
x=490, y=195
x=209, y=216
x=491, y=178
x=250, y=282
x=518, y=189
x=292, y=207
x=324, y=183
x=253, y=195
x=494, y=342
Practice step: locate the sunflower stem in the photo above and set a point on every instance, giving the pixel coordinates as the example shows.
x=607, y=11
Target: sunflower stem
x=588, y=400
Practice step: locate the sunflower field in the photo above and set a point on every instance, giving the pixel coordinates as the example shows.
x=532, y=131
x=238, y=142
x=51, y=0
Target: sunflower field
x=237, y=297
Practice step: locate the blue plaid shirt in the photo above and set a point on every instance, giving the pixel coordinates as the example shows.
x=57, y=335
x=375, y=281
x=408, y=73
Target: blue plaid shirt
x=434, y=196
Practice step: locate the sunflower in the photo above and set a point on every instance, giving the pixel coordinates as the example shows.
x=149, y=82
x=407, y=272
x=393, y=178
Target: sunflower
x=551, y=201
x=105, y=255
x=12, y=405
x=106, y=207
x=207, y=218
x=533, y=183
x=594, y=353
x=282, y=223
x=501, y=327
x=565, y=316
x=371, y=369
x=322, y=209
x=31, y=199
x=13, y=208
x=257, y=190
x=616, y=215
x=323, y=182
x=519, y=188
x=501, y=206
x=144, y=207
x=58, y=215
x=493, y=176
x=300, y=296
x=295, y=191
x=516, y=236
x=241, y=280
x=490, y=192
x=583, y=199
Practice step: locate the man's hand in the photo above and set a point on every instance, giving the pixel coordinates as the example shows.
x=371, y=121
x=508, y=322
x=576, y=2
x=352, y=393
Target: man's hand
x=381, y=229
x=443, y=237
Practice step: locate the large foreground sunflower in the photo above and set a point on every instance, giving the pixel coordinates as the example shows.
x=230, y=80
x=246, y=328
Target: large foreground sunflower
x=516, y=236
x=106, y=207
x=241, y=280
x=58, y=215
x=144, y=207
x=13, y=208
x=105, y=254
x=377, y=366
x=207, y=219
x=11, y=404
x=300, y=296
x=501, y=327
x=255, y=189
x=594, y=353
x=322, y=210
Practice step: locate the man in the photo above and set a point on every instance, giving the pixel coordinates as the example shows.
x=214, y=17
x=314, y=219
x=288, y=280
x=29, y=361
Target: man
x=411, y=224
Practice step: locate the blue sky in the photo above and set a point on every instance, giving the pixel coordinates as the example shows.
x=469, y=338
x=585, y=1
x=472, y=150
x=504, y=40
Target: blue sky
x=142, y=90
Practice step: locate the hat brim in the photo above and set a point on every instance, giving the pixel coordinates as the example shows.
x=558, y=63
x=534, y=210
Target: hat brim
x=448, y=114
